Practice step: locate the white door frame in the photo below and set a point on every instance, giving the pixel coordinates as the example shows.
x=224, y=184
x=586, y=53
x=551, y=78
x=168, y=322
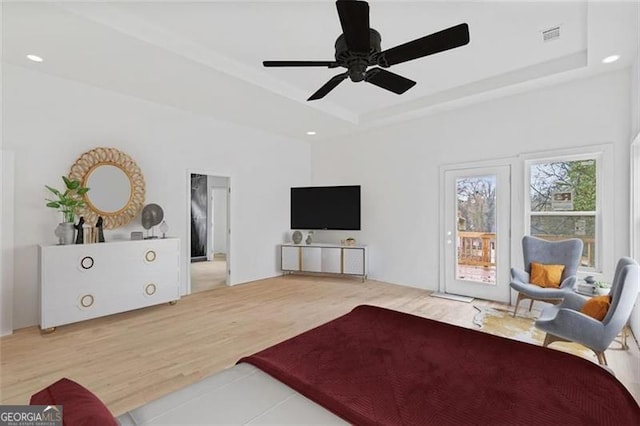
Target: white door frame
x=187, y=249
x=635, y=198
x=635, y=222
x=442, y=232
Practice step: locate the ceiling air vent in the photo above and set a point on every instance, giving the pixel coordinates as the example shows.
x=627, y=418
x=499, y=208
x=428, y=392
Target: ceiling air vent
x=551, y=34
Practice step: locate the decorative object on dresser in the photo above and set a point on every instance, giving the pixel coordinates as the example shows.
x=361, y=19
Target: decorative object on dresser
x=152, y=215
x=164, y=228
x=99, y=225
x=309, y=239
x=117, y=186
x=68, y=203
x=79, y=282
x=324, y=258
x=65, y=233
x=136, y=235
x=296, y=237
x=80, y=231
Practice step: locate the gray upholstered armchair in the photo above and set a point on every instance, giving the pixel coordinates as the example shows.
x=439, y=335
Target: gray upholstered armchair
x=565, y=322
x=564, y=252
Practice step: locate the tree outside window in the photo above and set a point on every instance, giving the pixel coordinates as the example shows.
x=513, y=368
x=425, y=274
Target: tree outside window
x=563, y=203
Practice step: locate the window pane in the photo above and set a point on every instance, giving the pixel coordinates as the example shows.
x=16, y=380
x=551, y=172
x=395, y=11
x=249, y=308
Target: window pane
x=563, y=186
x=476, y=238
x=562, y=227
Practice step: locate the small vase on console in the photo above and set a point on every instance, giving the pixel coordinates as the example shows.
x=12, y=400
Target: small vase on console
x=309, y=238
x=65, y=232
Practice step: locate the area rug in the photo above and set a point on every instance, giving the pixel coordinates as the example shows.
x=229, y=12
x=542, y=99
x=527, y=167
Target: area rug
x=375, y=366
x=500, y=322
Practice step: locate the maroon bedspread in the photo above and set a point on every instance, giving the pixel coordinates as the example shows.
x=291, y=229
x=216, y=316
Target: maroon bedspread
x=377, y=366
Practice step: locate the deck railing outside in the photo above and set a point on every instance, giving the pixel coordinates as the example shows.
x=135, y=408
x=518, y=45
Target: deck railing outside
x=479, y=248
x=588, y=250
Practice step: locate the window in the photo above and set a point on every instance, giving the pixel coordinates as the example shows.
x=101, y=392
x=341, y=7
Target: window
x=564, y=201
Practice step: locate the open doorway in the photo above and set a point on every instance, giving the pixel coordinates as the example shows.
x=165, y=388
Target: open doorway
x=209, y=232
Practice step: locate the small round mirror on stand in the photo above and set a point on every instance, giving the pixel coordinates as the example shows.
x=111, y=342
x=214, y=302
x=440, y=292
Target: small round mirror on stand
x=117, y=187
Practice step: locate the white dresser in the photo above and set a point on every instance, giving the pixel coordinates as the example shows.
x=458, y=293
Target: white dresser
x=324, y=258
x=84, y=281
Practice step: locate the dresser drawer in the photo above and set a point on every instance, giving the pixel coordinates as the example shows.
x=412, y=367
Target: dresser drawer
x=92, y=280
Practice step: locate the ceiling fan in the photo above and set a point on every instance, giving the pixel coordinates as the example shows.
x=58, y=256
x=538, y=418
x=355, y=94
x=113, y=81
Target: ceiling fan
x=358, y=48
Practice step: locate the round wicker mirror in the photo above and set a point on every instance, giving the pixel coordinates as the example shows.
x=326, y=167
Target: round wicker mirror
x=116, y=186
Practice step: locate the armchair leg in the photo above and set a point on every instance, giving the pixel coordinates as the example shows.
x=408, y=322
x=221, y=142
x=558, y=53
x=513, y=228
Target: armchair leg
x=550, y=338
x=602, y=360
x=518, y=300
x=625, y=333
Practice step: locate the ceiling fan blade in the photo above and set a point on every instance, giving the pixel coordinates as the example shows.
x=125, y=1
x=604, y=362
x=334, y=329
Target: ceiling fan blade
x=388, y=80
x=354, y=18
x=329, y=64
x=449, y=38
x=328, y=86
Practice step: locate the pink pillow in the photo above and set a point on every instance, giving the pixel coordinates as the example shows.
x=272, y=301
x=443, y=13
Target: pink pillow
x=79, y=406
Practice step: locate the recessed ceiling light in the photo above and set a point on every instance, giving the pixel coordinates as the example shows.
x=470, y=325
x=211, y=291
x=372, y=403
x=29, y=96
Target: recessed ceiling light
x=311, y=133
x=35, y=58
x=610, y=59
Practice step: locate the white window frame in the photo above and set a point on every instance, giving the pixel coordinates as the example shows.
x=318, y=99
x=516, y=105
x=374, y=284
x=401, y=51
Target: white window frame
x=603, y=154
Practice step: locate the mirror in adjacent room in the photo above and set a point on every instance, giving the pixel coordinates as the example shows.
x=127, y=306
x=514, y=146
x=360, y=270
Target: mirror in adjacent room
x=116, y=183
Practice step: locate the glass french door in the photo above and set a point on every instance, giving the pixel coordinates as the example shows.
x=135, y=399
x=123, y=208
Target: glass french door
x=476, y=232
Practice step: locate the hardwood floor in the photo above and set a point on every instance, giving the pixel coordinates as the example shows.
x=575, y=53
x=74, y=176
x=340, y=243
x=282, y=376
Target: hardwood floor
x=209, y=275
x=135, y=357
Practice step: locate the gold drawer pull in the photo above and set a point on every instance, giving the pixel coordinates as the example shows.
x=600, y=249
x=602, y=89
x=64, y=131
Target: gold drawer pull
x=150, y=289
x=86, y=301
x=150, y=256
x=87, y=262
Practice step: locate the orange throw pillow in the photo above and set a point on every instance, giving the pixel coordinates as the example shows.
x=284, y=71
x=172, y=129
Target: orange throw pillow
x=546, y=275
x=597, y=307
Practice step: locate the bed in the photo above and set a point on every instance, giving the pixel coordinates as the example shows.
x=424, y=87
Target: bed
x=375, y=366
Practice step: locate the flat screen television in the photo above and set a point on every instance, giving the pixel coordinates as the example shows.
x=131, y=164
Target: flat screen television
x=326, y=207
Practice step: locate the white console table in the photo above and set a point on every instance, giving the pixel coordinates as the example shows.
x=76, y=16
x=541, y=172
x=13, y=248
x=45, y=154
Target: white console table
x=324, y=258
x=84, y=281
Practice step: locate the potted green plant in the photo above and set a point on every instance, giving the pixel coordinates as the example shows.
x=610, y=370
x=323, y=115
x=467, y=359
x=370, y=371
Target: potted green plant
x=602, y=288
x=67, y=202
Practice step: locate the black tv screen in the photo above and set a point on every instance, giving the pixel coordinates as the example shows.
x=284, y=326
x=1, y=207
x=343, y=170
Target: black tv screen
x=326, y=207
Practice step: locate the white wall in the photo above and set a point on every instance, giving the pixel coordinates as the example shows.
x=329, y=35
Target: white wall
x=6, y=228
x=398, y=166
x=49, y=122
x=6, y=241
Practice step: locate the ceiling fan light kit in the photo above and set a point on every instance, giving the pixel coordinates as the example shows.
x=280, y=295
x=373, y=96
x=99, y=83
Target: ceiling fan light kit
x=359, y=47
